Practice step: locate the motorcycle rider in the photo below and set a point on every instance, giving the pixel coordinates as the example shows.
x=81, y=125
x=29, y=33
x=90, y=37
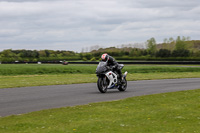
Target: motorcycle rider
x=112, y=63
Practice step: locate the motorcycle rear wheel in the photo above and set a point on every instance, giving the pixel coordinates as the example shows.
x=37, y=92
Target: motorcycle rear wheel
x=123, y=86
x=101, y=85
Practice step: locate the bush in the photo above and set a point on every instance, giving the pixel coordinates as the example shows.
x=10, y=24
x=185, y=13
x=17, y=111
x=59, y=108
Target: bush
x=93, y=59
x=181, y=53
x=84, y=59
x=163, y=53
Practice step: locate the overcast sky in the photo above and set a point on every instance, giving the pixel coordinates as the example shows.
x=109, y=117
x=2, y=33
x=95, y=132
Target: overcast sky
x=75, y=24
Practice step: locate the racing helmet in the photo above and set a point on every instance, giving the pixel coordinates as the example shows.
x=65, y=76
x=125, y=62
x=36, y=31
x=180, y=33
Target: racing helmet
x=104, y=57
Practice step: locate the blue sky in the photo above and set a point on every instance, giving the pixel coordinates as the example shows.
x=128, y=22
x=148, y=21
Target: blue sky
x=76, y=24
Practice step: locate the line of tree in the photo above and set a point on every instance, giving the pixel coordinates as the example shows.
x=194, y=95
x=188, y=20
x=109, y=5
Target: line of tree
x=10, y=55
x=181, y=48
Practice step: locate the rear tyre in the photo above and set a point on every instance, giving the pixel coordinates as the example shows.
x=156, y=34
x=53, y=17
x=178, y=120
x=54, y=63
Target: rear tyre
x=101, y=85
x=123, y=85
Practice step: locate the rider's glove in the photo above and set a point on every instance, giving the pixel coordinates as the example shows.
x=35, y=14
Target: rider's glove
x=112, y=67
x=107, y=67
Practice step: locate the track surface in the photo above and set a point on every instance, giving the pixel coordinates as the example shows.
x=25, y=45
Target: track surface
x=28, y=99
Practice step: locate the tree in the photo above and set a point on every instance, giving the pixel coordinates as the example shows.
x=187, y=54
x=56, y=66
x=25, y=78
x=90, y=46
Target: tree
x=180, y=43
x=165, y=40
x=151, y=46
x=47, y=53
x=42, y=53
x=181, y=53
x=163, y=53
x=171, y=39
x=7, y=53
x=135, y=52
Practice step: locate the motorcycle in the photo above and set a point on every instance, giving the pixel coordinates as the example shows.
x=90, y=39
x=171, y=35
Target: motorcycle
x=108, y=78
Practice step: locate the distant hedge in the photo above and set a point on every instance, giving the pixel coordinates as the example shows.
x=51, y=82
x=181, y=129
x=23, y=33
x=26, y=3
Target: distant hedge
x=158, y=58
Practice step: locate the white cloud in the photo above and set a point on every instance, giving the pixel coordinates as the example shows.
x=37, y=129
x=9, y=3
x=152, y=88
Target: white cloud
x=71, y=25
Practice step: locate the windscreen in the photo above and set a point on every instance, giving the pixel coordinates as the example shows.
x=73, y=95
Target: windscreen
x=101, y=67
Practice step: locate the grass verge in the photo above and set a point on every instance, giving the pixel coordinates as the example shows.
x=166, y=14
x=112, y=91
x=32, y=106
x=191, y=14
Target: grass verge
x=34, y=69
x=160, y=113
x=60, y=79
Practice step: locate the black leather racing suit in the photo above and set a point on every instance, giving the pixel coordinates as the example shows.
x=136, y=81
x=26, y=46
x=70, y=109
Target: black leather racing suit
x=114, y=64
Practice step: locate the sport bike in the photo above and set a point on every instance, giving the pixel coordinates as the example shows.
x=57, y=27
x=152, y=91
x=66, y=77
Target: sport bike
x=109, y=78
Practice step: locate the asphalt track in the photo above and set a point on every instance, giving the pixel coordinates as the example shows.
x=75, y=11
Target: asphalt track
x=28, y=99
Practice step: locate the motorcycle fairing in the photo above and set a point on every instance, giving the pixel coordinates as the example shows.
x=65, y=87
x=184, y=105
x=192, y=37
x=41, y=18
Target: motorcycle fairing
x=112, y=77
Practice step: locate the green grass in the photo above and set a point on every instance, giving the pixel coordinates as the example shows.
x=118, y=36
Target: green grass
x=175, y=112
x=61, y=79
x=160, y=113
x=40, y=80
x=22, y=75
x=32, y=69
x=35, y=69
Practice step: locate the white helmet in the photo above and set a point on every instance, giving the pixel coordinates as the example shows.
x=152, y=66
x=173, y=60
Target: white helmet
x=104, y=57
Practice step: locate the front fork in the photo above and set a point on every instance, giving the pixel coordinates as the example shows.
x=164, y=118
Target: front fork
x=105, y=83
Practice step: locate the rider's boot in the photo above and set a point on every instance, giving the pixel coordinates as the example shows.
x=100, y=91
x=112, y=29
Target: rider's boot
x=120, y=78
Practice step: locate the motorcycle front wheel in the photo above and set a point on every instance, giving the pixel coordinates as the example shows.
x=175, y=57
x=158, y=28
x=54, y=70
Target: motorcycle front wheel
x=102, y=86
x=123, y=85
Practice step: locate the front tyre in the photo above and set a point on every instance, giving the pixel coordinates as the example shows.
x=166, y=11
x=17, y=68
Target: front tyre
x=102, y=86
x=123, y=85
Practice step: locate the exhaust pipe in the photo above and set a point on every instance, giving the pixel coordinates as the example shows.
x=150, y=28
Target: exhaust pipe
x=125, y=74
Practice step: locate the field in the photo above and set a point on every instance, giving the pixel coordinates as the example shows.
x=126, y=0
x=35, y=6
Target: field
x=21, y=75
x=32, y=69
x=159, y=113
